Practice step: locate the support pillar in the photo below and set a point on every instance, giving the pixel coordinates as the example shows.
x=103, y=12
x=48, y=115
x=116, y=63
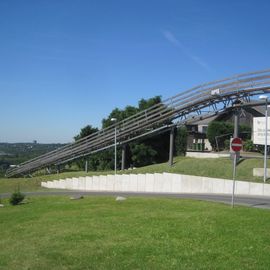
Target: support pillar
x=86, y=166
x=171, y=146
x=58, y=169
x=236, y=124
x=48, y=169
x=123, y=163
x=236, y=130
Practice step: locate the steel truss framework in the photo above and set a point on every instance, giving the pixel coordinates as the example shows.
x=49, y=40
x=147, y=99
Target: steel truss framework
x=214, y=97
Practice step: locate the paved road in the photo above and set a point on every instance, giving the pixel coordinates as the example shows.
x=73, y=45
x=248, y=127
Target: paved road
x=251, y=201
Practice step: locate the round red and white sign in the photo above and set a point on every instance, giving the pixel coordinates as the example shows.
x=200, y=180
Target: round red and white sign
x=236, y=144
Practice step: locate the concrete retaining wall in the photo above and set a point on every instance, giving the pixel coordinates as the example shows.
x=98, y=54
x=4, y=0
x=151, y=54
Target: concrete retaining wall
x=206, y=155
x=160, y=183
x=260, y=171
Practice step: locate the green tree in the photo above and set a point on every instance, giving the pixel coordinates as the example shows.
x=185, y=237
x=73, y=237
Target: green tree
x=92, y=160
x=85, y=131
x=181, y=141
x=222, y=131
x=147, y=103
x=142, y=154
x=245, y=132
x=219, y=130
x=149, y=150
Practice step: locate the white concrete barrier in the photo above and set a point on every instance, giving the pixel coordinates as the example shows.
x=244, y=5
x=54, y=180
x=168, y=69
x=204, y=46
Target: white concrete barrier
x=88, y=183
x=159, y=182
x=110, y=182
x=69, y=183
x=141, y=183
x=133, y=182
x=256, y=189
x=260, y=172
x=149, y=182
x=81, y=183
x=118, y=183
x=206, y=155
x=167, y=182
x=125, y=182
x=75, y=183
x=266, y=189
x=176, y=183
x=102, y=182
x=95, y=183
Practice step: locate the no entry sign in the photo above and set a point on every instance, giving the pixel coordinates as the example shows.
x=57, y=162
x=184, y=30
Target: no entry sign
x=236, y=144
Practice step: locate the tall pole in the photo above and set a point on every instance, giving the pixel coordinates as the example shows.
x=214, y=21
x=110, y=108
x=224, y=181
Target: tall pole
x=123, y=163
x=171, y=146
x=86, y=166
x=265, y=145
x=115, y=142
x=115, y=151
x=236, y=123
x=234, y=173
x=236, y=130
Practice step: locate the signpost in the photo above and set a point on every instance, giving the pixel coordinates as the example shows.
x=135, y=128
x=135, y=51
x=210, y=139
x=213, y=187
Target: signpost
x=236, y=146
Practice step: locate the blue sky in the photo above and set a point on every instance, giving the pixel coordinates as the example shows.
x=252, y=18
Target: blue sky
x=65, y=64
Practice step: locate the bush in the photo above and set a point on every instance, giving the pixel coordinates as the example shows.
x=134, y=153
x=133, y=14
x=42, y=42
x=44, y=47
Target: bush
x=248, y=145
x=181, y=141
x=219, y=130
x=16, y=198
x=227, y=144
x=142, y=154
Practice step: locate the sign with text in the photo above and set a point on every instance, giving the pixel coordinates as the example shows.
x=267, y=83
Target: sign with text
x=259, y=130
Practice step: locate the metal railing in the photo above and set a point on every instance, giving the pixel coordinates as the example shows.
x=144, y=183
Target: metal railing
x=158, y=116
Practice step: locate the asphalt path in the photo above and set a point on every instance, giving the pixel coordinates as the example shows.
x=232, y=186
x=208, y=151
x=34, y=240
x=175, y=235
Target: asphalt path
x=250, y=201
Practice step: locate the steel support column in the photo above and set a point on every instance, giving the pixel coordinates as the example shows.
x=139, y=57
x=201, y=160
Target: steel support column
x=171, y=146
x=58, y=169
x=123, y=163
x=236, y=123
x=86, y=166
x=236, y=130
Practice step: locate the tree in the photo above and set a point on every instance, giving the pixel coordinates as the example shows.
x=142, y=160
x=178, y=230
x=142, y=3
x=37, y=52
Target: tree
x=145, y=104
x=149, y=150
x=218, y=130
x=128, y=111
x=222, y=131
x=142, y=154
x=85, y=131
x=181, y=141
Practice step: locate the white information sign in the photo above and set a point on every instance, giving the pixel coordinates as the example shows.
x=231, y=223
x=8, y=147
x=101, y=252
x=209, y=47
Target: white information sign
x=259, y=130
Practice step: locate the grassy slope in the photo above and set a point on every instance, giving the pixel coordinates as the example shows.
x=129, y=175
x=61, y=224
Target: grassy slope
x=220, y=168
x=140, y=233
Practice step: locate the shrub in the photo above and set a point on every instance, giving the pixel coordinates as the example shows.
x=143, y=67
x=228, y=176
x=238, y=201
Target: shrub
x=16, y=198
x=248, y=145
x=227, y=144
x=142, y=154
x=220, y=130
x=181, y=141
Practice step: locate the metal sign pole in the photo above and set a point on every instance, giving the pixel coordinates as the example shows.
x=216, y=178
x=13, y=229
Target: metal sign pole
x=234, y=173
x=236, y=146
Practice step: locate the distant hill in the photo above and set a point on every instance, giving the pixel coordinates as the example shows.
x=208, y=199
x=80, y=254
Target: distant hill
x=15, y=153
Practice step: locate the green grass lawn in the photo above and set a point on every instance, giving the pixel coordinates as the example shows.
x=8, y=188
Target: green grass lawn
x=218, y=168
x=139, y=233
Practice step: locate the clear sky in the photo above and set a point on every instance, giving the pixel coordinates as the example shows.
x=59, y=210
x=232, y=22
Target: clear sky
x=65, y=64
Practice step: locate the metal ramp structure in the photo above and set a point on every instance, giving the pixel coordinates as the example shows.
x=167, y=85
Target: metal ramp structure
x=212, y=97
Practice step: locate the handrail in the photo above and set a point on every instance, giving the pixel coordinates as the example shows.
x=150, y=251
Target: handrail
x=182, y=104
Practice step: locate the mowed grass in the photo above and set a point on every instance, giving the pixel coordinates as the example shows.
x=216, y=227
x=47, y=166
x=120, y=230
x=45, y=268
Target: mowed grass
x=139, y=233
x=8, y=185
x=217, y=168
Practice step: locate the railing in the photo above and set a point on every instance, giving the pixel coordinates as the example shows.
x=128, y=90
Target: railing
x=155, y=117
